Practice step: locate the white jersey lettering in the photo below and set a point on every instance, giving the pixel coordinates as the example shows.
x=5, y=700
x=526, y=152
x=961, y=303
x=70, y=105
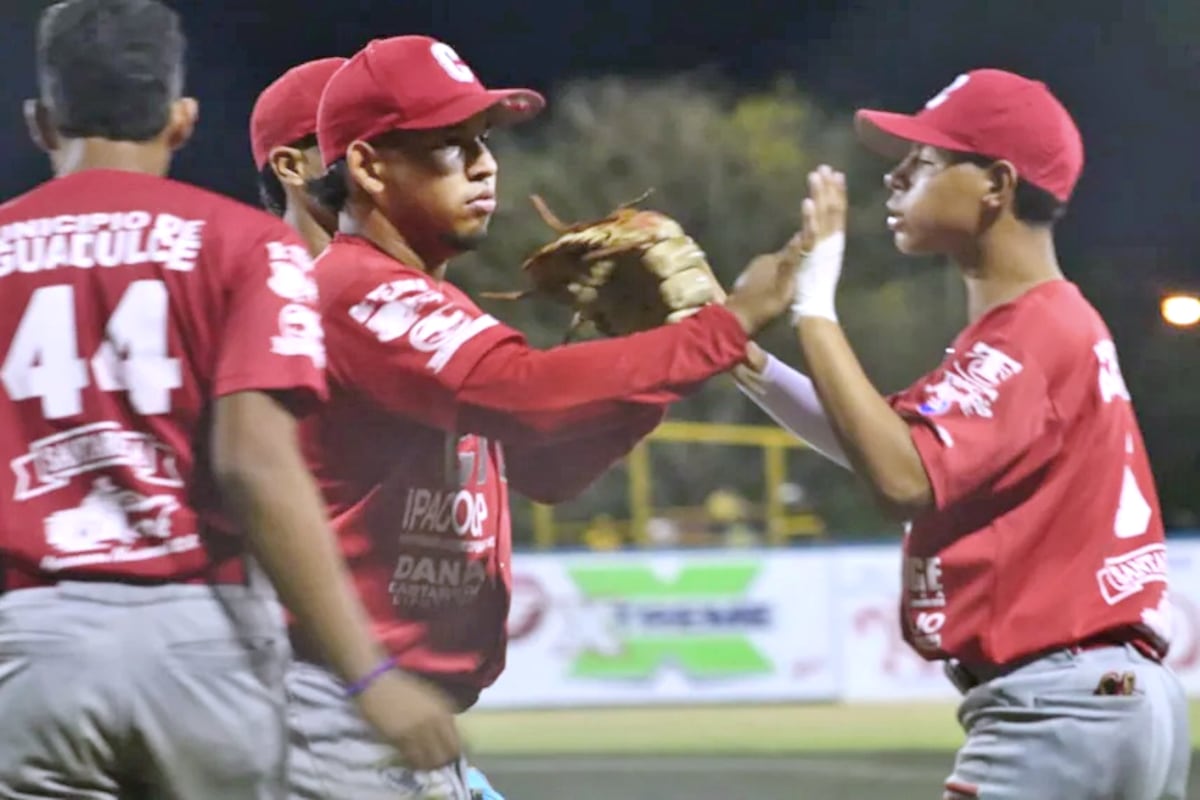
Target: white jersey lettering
x=87, y=241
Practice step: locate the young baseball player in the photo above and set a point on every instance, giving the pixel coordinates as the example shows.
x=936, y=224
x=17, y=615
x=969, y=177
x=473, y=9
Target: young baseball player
x=283, y=136
x=437, y=408
x=283, y=140
x=156, y=343
x=1034, y=556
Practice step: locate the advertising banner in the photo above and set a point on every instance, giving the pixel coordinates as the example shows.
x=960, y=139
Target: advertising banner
x=637, y=628
x=694, y=627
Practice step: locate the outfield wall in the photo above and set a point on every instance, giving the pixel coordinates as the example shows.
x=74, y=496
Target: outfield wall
x=810, y=624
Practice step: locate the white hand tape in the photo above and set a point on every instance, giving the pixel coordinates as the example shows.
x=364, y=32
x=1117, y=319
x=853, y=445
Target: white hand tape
x=817, y=279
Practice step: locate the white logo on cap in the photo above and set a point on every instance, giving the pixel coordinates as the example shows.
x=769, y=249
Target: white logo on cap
x=944, y=94
x=451, y=62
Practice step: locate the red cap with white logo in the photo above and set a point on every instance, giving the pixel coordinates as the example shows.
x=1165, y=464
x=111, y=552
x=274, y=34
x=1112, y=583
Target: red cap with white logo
x=409, y=83
x=991, y=113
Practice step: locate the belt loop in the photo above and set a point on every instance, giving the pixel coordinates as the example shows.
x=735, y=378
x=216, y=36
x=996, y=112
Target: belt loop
x=255, y=577
x=250, y=571
x=959, y=676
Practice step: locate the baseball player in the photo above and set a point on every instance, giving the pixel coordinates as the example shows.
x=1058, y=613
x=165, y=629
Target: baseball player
x=437, y=408
x=283, y=140
x=1034, y=555
x=283, y=136
x=156, y=343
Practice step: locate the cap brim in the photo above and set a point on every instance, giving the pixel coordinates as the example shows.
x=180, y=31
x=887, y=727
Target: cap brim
x=893, y=135
x=508, y=107
x=516, y=105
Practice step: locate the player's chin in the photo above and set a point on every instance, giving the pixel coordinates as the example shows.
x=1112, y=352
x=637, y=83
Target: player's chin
x=468, y=237
x=910, y=244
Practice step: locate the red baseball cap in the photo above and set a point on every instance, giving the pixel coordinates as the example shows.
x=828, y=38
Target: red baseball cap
x=409, y=83
x=286, y=111
x=991, y=113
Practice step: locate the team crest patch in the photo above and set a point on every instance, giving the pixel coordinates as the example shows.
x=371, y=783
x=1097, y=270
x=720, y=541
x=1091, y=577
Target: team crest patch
x=972, y=383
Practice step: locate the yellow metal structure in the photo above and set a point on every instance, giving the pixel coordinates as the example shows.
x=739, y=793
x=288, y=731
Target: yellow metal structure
x=774, y=443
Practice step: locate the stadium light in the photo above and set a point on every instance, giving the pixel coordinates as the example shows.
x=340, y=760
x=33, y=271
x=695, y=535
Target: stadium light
x=1181, y=310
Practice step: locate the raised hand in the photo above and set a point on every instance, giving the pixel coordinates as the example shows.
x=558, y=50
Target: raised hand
x=823, y=237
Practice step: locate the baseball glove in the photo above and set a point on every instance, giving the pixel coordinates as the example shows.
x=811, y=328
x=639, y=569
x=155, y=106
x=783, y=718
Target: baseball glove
x=629, y=271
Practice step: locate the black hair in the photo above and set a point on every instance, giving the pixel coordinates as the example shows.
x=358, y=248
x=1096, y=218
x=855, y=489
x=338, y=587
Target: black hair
x=270, y=191
x=110, y=68
x=1031, y=204
x=332, y=189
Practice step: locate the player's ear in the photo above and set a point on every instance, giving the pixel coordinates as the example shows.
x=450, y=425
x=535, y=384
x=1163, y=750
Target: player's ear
x=365, y=167
x=181, y=122
x=1002, y=185
x=41, y=128
x=289, y=166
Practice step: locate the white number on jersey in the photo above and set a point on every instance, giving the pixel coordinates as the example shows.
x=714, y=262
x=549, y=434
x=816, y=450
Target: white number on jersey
x=1112, y=382
x=1133, y=510
x=43, y=360
x=133, y=356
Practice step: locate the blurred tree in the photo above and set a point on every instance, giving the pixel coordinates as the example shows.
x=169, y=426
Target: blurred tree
x=1177, y=23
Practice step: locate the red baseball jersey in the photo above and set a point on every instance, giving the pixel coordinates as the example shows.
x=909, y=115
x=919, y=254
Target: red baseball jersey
x=435, y=408
x=127, y=304
x=1046, y=527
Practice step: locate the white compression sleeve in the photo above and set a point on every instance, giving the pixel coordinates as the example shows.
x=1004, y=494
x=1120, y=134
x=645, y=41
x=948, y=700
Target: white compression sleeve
x=790, y=398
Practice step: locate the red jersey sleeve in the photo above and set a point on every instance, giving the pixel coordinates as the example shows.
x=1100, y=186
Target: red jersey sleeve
x=560, y=470
x=271, y=336
x=422, y=349
x=542, y=393
x=983, y=414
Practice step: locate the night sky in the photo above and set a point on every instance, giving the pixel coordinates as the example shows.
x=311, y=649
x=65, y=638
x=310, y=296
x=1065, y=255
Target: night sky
x=1130, y=75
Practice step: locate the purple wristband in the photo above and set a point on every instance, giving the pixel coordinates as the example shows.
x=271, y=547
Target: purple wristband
x=361, y=685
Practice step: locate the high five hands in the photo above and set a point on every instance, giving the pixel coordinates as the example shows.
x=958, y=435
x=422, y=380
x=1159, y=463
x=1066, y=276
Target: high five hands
x=804, y=274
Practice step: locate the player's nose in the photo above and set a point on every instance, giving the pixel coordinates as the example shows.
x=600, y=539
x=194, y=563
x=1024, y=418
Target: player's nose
x=483, y=165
